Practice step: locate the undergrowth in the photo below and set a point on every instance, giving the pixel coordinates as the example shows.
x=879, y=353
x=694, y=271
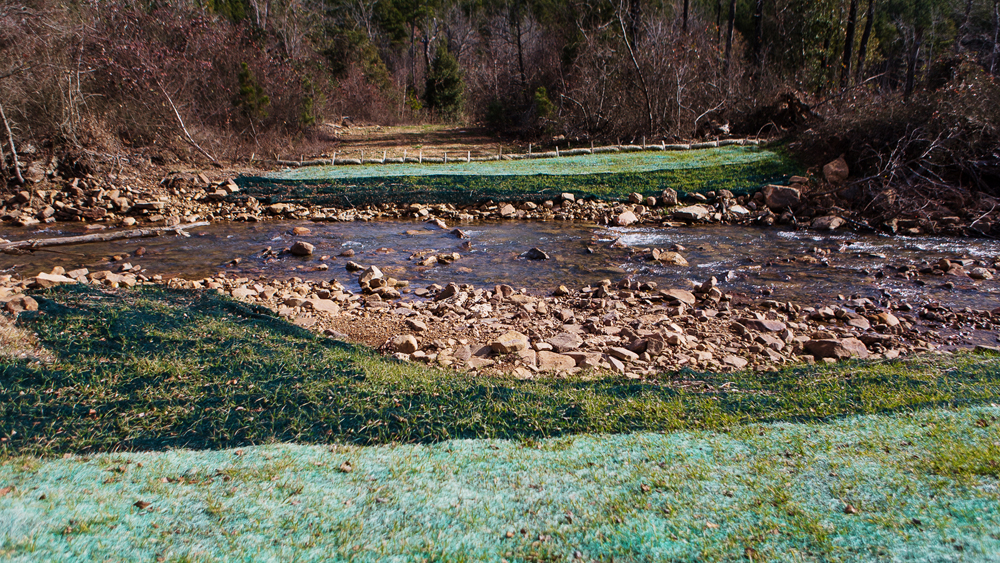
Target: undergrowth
x=155, y=368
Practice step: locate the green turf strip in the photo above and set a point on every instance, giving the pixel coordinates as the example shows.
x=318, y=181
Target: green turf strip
x=613, y=176
x=180, y=369
x=921, y=486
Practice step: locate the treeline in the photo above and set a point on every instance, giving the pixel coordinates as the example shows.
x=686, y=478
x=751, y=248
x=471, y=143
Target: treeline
x=228, y=78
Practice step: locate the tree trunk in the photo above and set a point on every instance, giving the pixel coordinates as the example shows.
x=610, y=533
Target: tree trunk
x=852, y=20
x=911, y=63
x=729, y=34
x=758, y=33
x=718, y=20
x=515, y=15
x=996, y=37
x=642, y=79
x=963, y=30
x=97, y=237
x=10, y=138
x=684, y=24
x=863, y=47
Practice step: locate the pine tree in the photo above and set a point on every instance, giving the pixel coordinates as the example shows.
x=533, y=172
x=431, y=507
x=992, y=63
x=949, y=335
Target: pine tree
x=445, y=91
x=251, y=97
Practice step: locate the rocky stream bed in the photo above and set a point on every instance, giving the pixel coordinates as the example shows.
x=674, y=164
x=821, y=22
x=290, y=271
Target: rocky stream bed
x=643, y=322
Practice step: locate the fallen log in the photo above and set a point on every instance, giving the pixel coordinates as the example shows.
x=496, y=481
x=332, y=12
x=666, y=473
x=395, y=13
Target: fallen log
x=96, y=237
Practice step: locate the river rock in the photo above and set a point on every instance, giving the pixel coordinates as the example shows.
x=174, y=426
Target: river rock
x=735, y=361
x=552, y=361
x=980, y=274
x=300, y=231
x=626, y=218
x=243, y=293
x=509, y=342
x=691, y=213
x=535, y=254
x=370, y=273
x=507, y=210
x=669, y=258
x=836, y=171
x=301, y=248
x=680, y=295
x=837, y=348
x=565, y=342
x=623, y=354
x=763, y=325
x=324, y=305
x=46, y=281
x=669, y=197
x=828, y=223
x=779, y=198
x=404, y=344
x=20, y=303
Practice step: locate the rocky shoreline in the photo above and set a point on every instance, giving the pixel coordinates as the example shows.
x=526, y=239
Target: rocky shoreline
x=629, y=327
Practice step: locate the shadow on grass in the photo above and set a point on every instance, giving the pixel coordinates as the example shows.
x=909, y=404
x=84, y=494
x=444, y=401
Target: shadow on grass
x=157, y=368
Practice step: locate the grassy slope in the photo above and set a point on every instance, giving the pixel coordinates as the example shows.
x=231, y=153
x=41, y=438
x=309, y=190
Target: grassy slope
x=158, y=369
x=165, y=369
x=921, y=484
x=712, y=169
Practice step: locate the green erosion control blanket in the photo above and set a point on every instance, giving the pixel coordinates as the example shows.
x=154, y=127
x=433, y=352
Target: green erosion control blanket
x=611, y=176
x=908, y=487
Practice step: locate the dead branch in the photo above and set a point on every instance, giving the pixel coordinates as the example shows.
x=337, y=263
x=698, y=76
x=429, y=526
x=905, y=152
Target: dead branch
x=10, y=138
x=187, y=135
x=97, y=237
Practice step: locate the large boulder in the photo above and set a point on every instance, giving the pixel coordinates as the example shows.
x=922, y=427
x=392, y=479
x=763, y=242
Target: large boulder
x=779, y=198
x=836, y=171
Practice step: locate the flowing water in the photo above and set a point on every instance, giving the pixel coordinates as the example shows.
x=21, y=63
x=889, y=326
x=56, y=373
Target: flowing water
x=802, y=266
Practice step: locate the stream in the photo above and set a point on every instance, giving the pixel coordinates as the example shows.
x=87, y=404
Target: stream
x=805, y=267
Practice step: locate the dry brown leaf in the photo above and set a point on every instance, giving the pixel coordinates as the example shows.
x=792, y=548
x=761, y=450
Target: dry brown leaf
x=5, y=490
x=346, y=467
x=142, y=505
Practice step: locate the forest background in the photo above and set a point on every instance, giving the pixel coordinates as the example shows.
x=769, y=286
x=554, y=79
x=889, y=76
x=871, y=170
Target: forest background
x=906, y=89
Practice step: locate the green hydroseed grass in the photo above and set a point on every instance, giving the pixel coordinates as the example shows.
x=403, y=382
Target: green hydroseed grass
x=157, y=368
x=823, y=463
x=858, y=489
x=606, y=176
